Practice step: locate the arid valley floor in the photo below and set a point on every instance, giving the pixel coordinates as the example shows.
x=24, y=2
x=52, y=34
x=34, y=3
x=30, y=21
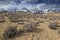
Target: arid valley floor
x=21, y=18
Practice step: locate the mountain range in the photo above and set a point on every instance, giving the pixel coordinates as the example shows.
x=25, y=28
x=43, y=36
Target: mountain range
x=35, y=10
x=31, y=5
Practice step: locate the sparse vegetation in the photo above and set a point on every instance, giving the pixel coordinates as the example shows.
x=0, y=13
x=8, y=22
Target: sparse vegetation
x=2, y=19
x=53, y=25
x=28, y=24
x=10, y=32
x=58, y=30
x=31, y=26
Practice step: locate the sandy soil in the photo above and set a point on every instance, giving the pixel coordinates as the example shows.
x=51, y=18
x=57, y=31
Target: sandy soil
x=44, y=34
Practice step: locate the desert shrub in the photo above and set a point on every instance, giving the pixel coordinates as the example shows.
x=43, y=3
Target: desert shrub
x=10, y=32
x=14, y=19
x=45, y=17
x=21, y=23
x=53, y=25
x=35, y=19
x=36, y=23
x=1, y=37
x=58, y=30
x=41, y=21
x=2, y=19
x=52, y=18
x=29, y=27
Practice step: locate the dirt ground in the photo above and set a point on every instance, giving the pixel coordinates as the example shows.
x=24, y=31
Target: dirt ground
x=44, y=34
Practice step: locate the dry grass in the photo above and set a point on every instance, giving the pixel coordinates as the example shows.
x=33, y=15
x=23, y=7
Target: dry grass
x=41, y=21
